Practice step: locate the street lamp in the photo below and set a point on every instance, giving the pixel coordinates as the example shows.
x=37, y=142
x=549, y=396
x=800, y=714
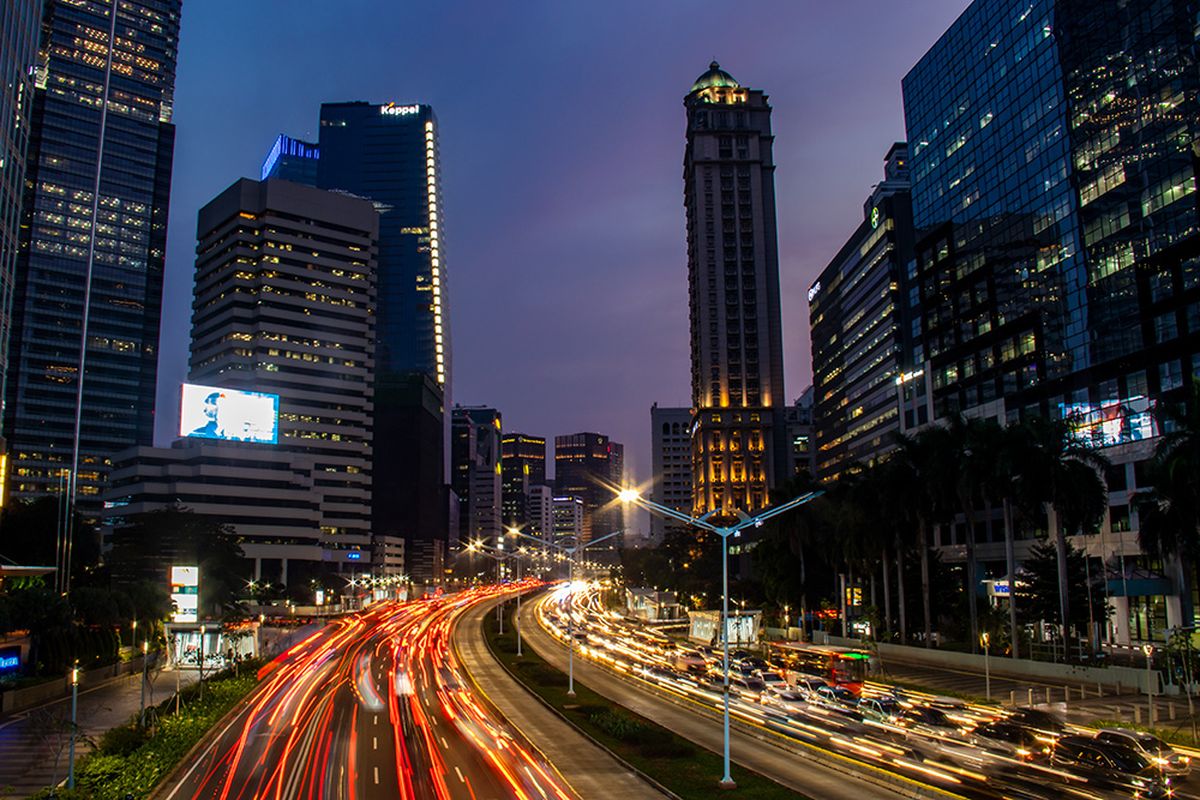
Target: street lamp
x=573, y=554
x=142, y=707
x=986, y=639
x=635, y=497
x=74, y=725
x=1148, y=649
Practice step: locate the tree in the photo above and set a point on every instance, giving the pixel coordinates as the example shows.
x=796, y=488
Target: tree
x=1169, y=513
x=1063, y=476
x=1038, y=587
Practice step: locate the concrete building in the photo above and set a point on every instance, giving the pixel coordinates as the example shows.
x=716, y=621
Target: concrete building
x=284, y=304
x=540, y=511
x=523, y=466
x=476, y=477
x=569, y=516
x=859, y=314
x=798, y=417
x=733, y=296
x=671, y=465
x=61, y=210
x=587, y=466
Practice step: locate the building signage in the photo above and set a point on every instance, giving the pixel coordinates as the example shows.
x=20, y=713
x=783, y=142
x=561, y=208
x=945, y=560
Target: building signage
x=185, y=594
x=998, y=588
x=393, y=110
x=10, y=660
x=210, y=412
x=814, y=290
x=874, y=217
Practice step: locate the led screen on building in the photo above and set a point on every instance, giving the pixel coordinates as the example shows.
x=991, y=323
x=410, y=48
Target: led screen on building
x=185, y=593
x=1112, y=422
x=209, y=412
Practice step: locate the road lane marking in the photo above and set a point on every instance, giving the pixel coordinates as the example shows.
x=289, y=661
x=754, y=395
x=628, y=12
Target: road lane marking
x=374, y=742
x=458, y=772
x=443, y=738
x=376, y=719
x=376, y=776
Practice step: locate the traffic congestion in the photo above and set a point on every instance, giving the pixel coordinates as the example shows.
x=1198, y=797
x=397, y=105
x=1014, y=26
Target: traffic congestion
x=822, y=701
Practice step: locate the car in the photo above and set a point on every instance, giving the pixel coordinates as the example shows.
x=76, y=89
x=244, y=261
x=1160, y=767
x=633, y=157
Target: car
x=1110, y=766
x=755, y=663
x=807, y=686
x=836, y=695
x=1039, y=720
x=1011, y=739
x=688, y=660
x=928, y=718
x=746, y=686
x=880, y=709
x=772, y=679
x=1155, y=750
x=785, y=700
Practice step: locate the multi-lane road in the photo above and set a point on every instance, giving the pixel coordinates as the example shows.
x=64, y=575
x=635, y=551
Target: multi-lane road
x=373, y=706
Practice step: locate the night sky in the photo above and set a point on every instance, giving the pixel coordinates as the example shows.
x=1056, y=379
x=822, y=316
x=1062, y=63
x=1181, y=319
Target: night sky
x=562, y=145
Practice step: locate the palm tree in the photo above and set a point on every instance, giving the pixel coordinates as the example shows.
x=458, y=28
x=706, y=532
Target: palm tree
x=1169, y=513
x=1064, y=477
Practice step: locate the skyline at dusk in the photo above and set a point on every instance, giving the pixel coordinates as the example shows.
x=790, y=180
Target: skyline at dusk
x=562, y=137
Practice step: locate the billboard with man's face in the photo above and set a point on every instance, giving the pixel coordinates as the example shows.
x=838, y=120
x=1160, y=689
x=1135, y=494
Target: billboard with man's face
x=233, y=415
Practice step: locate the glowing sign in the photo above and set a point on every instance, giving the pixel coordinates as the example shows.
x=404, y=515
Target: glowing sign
x=874, y=217
x=354, y=555
x=185, y=594
x=210, y=412
x=393, y=110
x=1111, y=422
x=814, y=290
x=10, y=659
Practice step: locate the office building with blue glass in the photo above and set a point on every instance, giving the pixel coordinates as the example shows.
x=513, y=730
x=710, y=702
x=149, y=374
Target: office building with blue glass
x=1054, y=156
x=77, y=73
x=388, y=153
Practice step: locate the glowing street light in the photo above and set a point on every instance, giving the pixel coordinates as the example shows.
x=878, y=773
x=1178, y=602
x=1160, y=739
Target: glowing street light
x=629, y=495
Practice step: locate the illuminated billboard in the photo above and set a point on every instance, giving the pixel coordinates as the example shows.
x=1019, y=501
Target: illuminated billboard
x=185, y=593
x=1111, y=422
x=209, y=412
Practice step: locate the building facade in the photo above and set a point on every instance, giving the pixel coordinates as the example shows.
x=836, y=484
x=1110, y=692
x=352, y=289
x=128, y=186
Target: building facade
x=671, y=464
x=476, y=476
x=569, y=516
x=733, y=294
x=587, y=466
x=798, y=417
x=284, y=302
x=858, y=312
x=523, y=466
x=125, y=147
x=20, y=23
x=1054, y=157
x=292, y=160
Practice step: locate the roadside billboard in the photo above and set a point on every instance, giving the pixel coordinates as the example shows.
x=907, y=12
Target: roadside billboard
x=210, y=412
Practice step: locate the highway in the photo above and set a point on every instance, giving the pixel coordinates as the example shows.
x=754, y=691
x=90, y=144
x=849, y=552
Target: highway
x=373, y=706
x=934, y=745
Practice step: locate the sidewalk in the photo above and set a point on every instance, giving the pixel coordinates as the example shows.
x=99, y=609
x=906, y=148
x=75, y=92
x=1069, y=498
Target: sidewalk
x=34, y=743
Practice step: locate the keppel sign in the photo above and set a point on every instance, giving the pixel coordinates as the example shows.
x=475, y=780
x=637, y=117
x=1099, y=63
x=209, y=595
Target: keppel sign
x=398, y=111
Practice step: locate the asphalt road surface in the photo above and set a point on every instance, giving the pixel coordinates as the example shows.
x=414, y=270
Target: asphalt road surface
x=374, y=706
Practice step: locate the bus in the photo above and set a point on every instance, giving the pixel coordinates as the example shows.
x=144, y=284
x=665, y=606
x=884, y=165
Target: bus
x=837, y=666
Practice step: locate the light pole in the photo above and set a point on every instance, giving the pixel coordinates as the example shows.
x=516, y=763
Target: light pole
x=633, y=496
x=201, y=678
x=986, y=639
x=573, y=554
x=142, y=707
x=1148, y=649
x=74, y=725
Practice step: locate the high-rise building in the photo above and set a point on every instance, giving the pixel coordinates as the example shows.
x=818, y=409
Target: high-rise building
x=588, y=466
x=798, y=417
x=523, y=466
x=540, y=511
x=284, y=304
x=292, y=160
x=475, y=458
x=858, y=312
x=19, y=25
x=389, y=154
x=101, y=118
x=1053, y=156
x=733, y=294
x=671, y=464
x=569, y=518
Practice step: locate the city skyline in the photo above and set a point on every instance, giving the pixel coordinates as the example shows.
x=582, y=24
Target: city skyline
x=518, y=215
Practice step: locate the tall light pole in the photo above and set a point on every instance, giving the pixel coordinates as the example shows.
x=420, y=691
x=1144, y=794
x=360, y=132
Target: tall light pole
x=986, y=639
x=635, y=497
x=142, y=707
x=1148, y=649
x=573, y=554
x=74, y=724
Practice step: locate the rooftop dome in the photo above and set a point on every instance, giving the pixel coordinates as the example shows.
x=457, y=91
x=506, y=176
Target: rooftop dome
x=715, y=77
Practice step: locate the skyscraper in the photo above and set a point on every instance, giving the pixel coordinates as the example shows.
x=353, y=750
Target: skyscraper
x=284, y=304
x=19, y=26
x=475, y=458
x=671, y=462
x=389, y=154
x=733, y=293
x=859, y=310
x=523, y=466
x=123, y=148
x=587, y=466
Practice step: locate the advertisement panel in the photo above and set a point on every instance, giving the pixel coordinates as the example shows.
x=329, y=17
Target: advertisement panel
x=210, y=412
x=1111, y=422
x=185, y=593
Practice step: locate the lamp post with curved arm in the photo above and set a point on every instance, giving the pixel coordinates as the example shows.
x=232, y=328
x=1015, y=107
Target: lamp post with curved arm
x=724, y=532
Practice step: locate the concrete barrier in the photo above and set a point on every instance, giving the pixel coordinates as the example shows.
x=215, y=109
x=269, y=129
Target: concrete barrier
x=1020, y=668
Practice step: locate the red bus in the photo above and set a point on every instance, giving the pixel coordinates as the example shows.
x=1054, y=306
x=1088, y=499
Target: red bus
x=837, y=666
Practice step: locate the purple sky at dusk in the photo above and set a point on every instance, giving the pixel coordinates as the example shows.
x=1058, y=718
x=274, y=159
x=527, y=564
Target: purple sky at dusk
x=562, y=144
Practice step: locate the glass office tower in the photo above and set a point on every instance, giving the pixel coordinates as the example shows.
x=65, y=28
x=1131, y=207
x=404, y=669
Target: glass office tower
x=75, y=66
